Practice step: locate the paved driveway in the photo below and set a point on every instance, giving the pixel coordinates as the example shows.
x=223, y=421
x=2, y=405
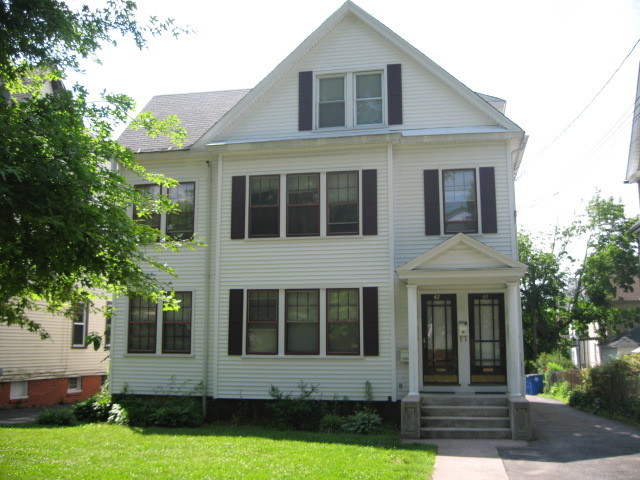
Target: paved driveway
x=569, y=444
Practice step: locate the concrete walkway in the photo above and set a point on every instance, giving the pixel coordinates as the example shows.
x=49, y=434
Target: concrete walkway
x=15, y=416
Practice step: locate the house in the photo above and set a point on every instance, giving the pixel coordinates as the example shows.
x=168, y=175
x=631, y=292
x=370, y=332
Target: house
x=60, y=369
x=358, y=207
x=621, y=344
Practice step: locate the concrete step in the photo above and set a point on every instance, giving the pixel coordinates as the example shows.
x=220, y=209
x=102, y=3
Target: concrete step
x=464, y=411
x=465, y=400
x=466, y=433
x=486, y=423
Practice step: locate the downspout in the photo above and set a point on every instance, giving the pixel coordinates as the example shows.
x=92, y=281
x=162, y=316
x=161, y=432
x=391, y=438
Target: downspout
x=207, y=296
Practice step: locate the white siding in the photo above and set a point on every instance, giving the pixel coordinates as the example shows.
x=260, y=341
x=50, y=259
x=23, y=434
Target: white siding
x=311, y=262
x=350, y=47
x=24, y=356
x=154, y=373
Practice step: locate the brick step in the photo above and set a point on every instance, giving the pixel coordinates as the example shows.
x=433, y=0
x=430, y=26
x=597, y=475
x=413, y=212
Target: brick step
x=465, y=422
x=466, y=433
x=464, y=411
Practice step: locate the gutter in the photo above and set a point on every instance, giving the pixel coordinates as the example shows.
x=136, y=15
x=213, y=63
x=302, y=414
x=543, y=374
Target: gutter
x=207, y=301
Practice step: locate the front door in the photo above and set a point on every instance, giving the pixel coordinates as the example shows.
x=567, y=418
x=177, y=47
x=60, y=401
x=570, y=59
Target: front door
x=488, y=347
x=439, y=339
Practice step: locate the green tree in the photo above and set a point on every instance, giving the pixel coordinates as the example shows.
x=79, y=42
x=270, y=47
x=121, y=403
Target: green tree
x=64, y=229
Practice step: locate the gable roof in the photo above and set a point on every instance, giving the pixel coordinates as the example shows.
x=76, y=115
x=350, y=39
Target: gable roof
x=630, y=338
x=197, y=112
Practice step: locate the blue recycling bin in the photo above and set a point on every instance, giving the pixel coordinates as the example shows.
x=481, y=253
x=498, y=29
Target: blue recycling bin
x=534, y=384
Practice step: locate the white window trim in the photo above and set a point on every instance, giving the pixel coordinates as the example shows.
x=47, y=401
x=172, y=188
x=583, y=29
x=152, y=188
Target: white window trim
x=441, y=200
x=350, y=99
x=78, y=387
x=84, y=323
x=22, y=386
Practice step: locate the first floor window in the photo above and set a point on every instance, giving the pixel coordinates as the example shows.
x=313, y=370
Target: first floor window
x=75, y=384
x=180, y=225
x=264, y=206
x=303, y=204
x=176, y=326
x=19, y=390
x=343, y=325
x=342, y=203
x=262, y=321
x=142, y=325
x=459, y=200
x=302, y=317
x=79, y=316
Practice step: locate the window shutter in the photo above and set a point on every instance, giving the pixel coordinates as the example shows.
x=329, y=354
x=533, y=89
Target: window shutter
x=370, y=320
x=394, y=93
x=305, y=101
x=431, y=203
x=238, y=194
x=236, y=297
x=369, y=202
x=488, y=200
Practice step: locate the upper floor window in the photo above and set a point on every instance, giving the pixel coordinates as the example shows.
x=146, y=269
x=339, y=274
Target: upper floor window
x=264, y=206
x=459, y=201
x=178, y=225
x=342, y=203
x=303, y=204
x=80, y=316
x=350, y=100
x=151, y=219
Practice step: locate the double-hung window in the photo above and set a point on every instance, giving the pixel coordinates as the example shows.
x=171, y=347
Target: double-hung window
x=150, y=191
x=264, y=206
x=459, y=201
x=352, y=99
x=178, y=225
x=302, y=319
x=80, y=317
x=343, y=322
x=303, y=204
x=262, y=321
x=176, y=326
x=142, y=325
x=342, y=203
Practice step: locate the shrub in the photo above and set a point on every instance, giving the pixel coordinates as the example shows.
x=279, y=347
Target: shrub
x=118, y=415
x=331, y=423
x=58, y=416
x=558, y=358
x=298, y=413
x=178, y=411
x=363, y=422
x=95, y=408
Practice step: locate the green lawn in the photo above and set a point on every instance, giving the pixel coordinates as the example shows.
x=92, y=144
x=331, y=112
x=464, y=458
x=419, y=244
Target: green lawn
x=100, y=451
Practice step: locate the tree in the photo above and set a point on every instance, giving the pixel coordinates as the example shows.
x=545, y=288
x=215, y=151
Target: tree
x=64, y=229
x=561, y=290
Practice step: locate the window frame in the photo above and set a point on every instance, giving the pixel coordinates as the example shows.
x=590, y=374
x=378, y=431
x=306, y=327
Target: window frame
x=256, y=208
x=445, y=223
x=272, y=322
x=287, y=292
x=192, y=212
x=316, y=205
x=358, y=322
x=78, y=386
x=108, y=318
x=22, y=386
x=84, y=323
x=356, y=99
x=149, y=221
x=328, y=204
x=188, y=324
x=154, y=323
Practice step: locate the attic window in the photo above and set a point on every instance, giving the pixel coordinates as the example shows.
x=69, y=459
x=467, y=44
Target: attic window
x=348, y=100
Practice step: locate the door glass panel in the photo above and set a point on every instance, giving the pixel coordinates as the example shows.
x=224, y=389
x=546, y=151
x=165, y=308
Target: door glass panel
x=439, y=341
x=487, y=338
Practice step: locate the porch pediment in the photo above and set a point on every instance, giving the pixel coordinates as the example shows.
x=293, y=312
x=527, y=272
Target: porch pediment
x=464, y=258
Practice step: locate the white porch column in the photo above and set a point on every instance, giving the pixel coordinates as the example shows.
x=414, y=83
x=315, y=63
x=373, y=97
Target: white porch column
x=413, y=338
x=515, y=354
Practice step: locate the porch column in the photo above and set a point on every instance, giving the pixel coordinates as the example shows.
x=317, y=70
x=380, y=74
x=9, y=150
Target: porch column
x=515, y=354
x=413, y=338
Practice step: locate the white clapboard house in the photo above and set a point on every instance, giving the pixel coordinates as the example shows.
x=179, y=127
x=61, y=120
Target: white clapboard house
x=358, y=207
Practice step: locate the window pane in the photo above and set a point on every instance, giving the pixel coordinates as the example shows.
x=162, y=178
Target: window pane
x=302, y=320
x=331, y=89
x=153, y=219
x=303, y=208
x=180, y=225
x=262, y=338
x=343, y=338
x=142, y=325
x=264, y=218
x=342, y=203
x=79, y=318
x=176, y=334
x=331, y=114
x=369, y=112
x=343, y=330
x=369, y=86
x=264, y=191
x=460, y=212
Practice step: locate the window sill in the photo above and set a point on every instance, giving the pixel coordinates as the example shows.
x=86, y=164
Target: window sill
x=159, y=355
x=298, y=357
x=307, y=237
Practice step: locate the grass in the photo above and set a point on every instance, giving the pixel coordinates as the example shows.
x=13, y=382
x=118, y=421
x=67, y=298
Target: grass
x=101, y=451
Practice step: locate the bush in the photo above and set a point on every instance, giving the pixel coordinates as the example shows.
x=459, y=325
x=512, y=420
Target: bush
x=118, y=415
x=58, y=416
x=363, y=422
x=331, y=423
x=176, y=411
x=558, y=360
x=298, y=413
x=95, y=408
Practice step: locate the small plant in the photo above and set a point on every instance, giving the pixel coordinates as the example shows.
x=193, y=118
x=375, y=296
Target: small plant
x=363, y=422
x=58, y=416
x=95, y=408
x=118, y=415
x=331, y=423
x=298, y=413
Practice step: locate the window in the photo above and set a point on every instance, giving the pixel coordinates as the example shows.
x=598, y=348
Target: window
x=459, y=201
x=342, y=203
x=350, y=100
x=142, y=325
x=176, y=326
x=19, y=390
x=303, y=204
x=108, y=315
x=262, y=321
x=331, y=102
x=343, y=326
x=180, y=224
x=264, y=206
x=302, y=317
x=368, y=99
x=79, y=317
x=151, y=219
x=74, y=385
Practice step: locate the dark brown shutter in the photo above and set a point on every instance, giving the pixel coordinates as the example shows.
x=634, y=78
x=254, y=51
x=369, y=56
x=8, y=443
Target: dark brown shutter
x=370, y=320
x=394, y=93
x=236, y=298
x=431, y=203
x=305, y=101
x=369, y=202
x=238, y=194
x=488, y=200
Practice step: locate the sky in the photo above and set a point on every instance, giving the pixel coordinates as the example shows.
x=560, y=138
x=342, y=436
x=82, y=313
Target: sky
x=547, y=58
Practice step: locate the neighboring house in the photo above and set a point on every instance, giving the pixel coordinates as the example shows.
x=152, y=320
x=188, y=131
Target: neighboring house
x=60, y=369
x=621, y=344
x=358, y=207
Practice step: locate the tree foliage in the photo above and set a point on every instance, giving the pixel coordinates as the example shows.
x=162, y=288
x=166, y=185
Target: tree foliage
x=64, y=229
x=562, y=289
